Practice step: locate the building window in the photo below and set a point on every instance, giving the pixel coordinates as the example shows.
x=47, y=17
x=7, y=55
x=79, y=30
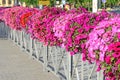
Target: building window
x=3, y=1
x=9, y=1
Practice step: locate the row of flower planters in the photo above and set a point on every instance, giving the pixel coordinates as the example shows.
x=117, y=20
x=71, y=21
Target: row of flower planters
x=94, y=35
x=56, y=59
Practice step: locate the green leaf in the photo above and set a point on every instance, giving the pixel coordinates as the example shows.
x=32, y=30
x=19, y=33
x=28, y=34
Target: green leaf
x=109, y=68
x=112, y=59
x=119, y=67
x=108, y=29
x=103, y=64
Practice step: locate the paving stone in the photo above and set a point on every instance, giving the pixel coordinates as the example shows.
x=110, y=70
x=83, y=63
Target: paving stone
x=16, y=65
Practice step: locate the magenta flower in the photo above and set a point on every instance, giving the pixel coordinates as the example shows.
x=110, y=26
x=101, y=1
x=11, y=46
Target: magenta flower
x=102, y=56
x=118, y=35
x=108, y=59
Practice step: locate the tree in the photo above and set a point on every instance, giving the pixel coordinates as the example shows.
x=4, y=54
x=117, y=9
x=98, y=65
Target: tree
x=84, y=3
x=112, y=3
x=30, y=2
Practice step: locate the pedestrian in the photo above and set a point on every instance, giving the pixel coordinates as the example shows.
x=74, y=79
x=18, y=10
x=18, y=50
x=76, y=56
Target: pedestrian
x=67, y=6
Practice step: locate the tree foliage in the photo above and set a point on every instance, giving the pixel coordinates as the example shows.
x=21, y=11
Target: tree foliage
x=112, y=3
x=88, y=3
x=30, y=2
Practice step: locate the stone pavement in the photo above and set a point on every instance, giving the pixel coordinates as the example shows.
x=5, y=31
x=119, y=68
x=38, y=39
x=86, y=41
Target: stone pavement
x=16, y=65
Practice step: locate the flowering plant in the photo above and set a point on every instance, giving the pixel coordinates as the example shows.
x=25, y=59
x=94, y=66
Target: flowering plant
x=60, y=23
x=103, y=47
x=2, y=13
x=77, y=29
x=10, y=17
x=96, y=35
x=24, y=16
x=41, y=27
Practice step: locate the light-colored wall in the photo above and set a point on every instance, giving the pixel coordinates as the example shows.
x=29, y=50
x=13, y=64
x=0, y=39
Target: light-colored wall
x=6, y=4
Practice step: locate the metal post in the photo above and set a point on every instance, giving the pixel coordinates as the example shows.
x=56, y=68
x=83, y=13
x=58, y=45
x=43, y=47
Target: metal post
x=99, y=2
x=100, y=75
x=82, y=69
x=16, y=2
x=35, y=43
x=8, y=32
x=94, y=5
x=17, y=37
x=31, y=46
x=70, y=59
x=104, y=5
x=63, y=2
x=45, y=57
x=21, y=40
x=104, y=1
x=14, y=36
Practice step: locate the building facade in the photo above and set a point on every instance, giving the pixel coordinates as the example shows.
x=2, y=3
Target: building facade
x=7, y=3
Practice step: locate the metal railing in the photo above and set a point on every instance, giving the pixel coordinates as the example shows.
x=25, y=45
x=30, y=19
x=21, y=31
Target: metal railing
x=4, y=31
x=56, y=59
